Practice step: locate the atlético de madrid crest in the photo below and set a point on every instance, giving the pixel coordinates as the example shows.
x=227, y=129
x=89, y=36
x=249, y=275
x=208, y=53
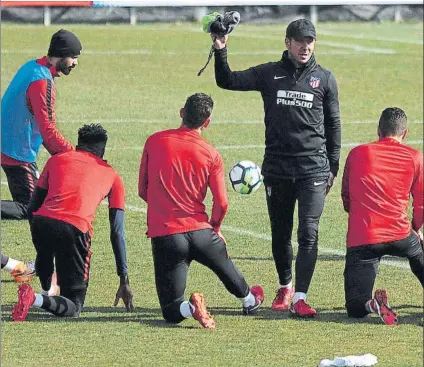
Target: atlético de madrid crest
x=314, y=82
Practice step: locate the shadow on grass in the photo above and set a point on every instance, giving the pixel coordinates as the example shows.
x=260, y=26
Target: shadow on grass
x=335, y=315
x=89, y=314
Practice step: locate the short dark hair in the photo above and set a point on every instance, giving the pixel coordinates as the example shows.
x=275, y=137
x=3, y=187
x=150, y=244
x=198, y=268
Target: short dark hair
x=392, y=122
x=92, y=134
x=197, y=110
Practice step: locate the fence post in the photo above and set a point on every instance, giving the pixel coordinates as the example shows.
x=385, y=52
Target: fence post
x=398, y=13
x=314, y=14
x=47, y=16
x=133, y=16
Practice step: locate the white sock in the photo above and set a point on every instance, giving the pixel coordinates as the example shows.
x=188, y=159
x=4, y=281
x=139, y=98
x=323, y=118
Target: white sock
x=298, y=296
x=185, y=309
x=38, y=300
x=290, y=285
x=249, y=300
x=369, y=308
x=11, y=265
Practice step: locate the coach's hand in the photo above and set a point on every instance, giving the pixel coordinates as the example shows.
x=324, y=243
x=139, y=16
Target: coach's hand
x=219, y=42
x=330, y=182
x=124, y=292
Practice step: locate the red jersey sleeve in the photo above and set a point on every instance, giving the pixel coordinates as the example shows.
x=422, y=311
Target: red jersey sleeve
x=219, y=193
x=43, y=180
x=142, y=177
x=116, y=195
x=417, y=193
x=41, y=98
x=345, y=186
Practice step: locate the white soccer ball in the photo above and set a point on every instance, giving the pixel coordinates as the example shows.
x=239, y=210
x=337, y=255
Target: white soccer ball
x=245, y=177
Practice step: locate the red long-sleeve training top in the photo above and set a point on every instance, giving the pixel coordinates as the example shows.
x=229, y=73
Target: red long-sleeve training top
x=41, y=98
x=176, y=169
x=378, y=180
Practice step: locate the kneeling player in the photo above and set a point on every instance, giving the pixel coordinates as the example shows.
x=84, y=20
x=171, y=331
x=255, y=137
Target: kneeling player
x=61, y=213
x=377, y=182
x=176, y=169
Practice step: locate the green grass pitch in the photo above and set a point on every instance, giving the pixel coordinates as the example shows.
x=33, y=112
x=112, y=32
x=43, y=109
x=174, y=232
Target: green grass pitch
x=133, y=80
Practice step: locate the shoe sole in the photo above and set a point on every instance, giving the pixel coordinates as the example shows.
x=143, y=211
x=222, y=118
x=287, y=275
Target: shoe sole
x=279, y=308
x=198, y=301
x=23, y=278
x=295, y=314
x=20, y=310
x=385, y=313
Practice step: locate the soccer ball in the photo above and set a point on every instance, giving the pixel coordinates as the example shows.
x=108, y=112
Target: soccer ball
x=245, y=177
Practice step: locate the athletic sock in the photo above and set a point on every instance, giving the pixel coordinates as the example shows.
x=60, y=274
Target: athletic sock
x=289, y=285
x=38, y=300
x=186, y=309
x=298, y=296
x=249, y=300
x=11, y=265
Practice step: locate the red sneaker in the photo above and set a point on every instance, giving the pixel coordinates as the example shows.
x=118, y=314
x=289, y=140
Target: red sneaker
x=258, y=293
x=381, y=307
x=283, y=299
x=200, y=313
x=26, y=299
x=302, y=309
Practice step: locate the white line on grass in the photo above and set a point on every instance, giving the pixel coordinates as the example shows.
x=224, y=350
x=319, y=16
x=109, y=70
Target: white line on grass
x=267, y=237
x=350, y=46
x=241, y=147
x=157, y=52
x=215, y=122
x=362, y=36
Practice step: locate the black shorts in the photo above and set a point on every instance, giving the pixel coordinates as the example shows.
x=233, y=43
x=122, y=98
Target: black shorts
x=68, y=247
x=362, y=267
x=21, y=180
x=172, y=256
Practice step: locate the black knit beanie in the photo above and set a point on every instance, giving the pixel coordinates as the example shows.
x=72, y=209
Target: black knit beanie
x=64, y=44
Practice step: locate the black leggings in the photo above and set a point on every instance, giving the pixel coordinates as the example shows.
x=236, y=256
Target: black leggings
x=62, y=243
x=362, y=267
x=172, y=256
x=281, y=200
x=21, y=180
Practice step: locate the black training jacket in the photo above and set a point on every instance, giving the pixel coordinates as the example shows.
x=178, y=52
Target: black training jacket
x=302, y=117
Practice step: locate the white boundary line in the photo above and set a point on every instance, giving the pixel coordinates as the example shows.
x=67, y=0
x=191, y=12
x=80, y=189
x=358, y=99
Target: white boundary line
x=365, y=37
x=236, y=147
x=350, y=46
x=267, y=237
x=241, y=147
x=150, y=52
x=175, y=120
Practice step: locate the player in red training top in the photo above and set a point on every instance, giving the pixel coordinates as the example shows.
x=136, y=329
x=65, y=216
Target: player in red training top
x=176, y=170
x=61, y=214
x=378, y=180
x=28, y=120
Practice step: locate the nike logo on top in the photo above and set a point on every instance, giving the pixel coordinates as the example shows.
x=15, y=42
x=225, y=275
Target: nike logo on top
x=278, y=77
x=318, y=183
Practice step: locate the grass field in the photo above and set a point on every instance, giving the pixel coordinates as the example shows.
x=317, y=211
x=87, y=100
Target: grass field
x=133, y=80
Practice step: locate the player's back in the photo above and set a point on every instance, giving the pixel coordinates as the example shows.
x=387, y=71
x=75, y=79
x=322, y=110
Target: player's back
x=77, y=182
x=180, y=162
x=381, y=175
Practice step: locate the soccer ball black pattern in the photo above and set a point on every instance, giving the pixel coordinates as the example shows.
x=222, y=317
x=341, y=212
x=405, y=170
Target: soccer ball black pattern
x=245, y=177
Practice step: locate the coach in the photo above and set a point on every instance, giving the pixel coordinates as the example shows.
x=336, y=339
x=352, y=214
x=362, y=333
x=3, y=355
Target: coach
x=302, y=150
